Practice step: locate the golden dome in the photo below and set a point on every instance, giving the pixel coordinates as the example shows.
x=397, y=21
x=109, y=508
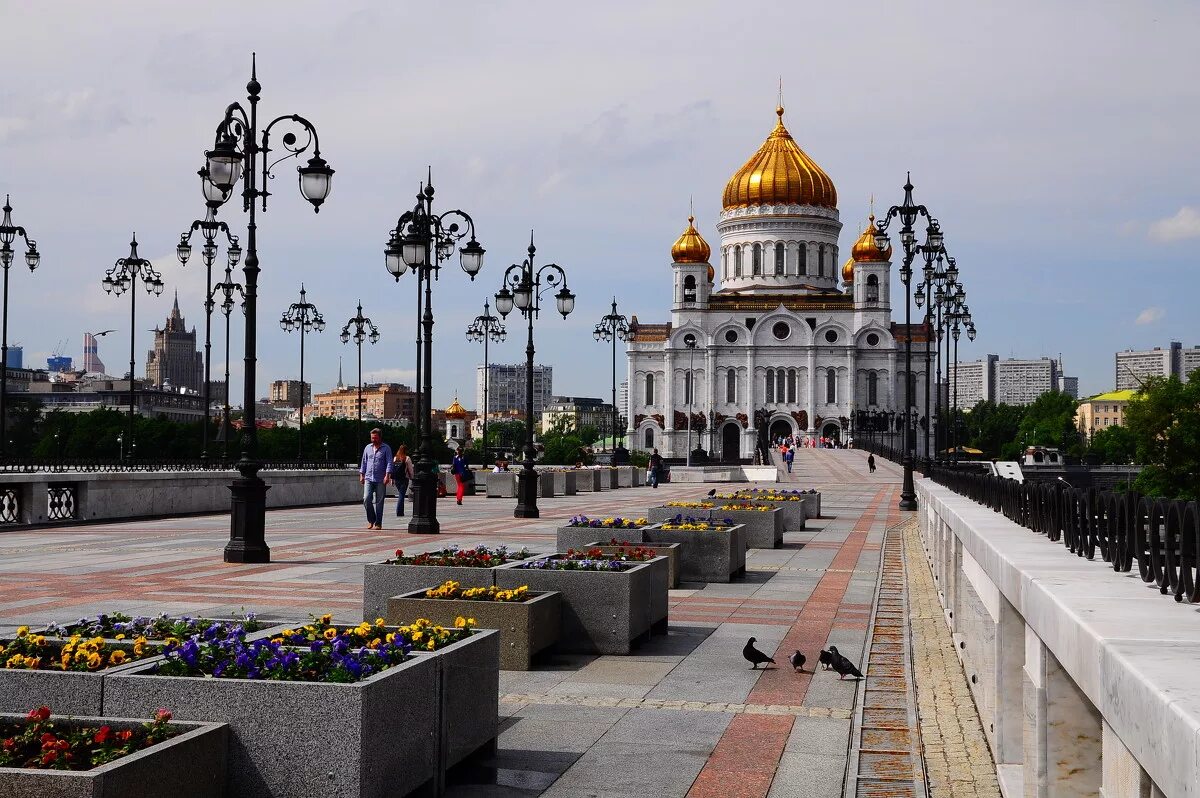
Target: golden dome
x=455, y=410
x=691, y=246
x=712, y=274
x=848, y=271
x=864, y=249
x=780, y=173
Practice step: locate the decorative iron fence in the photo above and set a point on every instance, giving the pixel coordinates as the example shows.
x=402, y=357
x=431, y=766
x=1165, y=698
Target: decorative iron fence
x=1160, y=536
x=60, y=502
x=10, y=506
x=84, y=466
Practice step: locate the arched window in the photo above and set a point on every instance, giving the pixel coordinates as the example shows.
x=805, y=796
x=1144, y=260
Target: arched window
x=687, y=387
x=649, y=389
x=780, y=384
x=453, y=430
x=649, y=437
x=737, y=261
x=791, y=385
x=757, y=264
x=802, y=262
x=731, y=386
x=689, y=288
x=779, y=259
x=872, y=388
x=725, y=263
x=770, y=386
x=872, y=288
x=821, y=260
x=830, y=386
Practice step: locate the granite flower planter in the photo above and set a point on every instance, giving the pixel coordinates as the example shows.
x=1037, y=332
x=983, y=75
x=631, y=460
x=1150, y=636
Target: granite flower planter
x=587, y=480
x=502, y=484
x=545, y=485
x=611, y=480
x=624, y=476
x=525, y=627
x=669, y=550
x=373, y=738
x=382, y=581
x=190, y=765
x=603, y=612
x=66, y=692
x=705, y=556
x=764, y=529
x=468, y=695
x=578, y=537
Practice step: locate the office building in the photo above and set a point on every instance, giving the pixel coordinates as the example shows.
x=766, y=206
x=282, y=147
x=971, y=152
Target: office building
x=289, y=393
x=1020, y=382
x=1189, y=362
x=1070, y=386
x=976, y=382
x=92, y=364
x=1134, y=367
x=383, y=401
x=506, y=387
x=15, y=358
x=576, y=412
x=1100, y=412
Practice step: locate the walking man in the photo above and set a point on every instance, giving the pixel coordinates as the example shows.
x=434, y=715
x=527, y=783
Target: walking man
x=656, y=463
x=788, y=456
x=375, y=474
x=871, y=463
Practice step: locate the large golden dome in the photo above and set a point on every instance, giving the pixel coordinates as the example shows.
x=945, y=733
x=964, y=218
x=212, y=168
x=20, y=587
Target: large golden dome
x=691, y=246
x=780, y=173
x=864, y=249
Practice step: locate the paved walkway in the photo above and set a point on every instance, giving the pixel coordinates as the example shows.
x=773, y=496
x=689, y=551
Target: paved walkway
x=683, y=716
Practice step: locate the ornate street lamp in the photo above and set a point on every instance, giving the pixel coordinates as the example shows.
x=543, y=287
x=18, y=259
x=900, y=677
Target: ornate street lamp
x=228, y=289
x=209, y=229
x=486, y=328
x=521, y=287
x=9, y=233
x=421, y=241
x=908, y=212
x=613, y=327
x=364, y=330
x=240, y=153
x=304, y=316
x=119, y=279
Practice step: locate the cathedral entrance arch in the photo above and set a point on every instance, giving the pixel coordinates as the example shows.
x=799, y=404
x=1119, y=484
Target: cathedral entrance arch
x=780, y=428
x=731, y=443
x=831, y=431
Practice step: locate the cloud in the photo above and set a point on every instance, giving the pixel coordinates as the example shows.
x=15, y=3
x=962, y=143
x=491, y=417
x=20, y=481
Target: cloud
x=1150, y=315
x=1185, y=224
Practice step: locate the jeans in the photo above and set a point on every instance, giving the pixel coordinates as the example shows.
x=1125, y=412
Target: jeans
x=401, y=489
x=789, y=465
x=373, y=496
x=654, y=477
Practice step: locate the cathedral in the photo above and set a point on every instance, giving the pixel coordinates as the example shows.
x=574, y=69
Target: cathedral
x=790, y=343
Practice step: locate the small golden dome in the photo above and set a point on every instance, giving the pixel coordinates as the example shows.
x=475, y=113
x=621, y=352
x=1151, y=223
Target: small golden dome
x=691, y=246
x=712, y=274
x=848, y=271
x=455, y=410
x=780, y=173
x=864, y=249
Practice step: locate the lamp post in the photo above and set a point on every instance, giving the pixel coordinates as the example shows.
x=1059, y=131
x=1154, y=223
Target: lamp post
x=228, y=289
x=363, y=330
x=422, y=240
x=933, y=284
x=908, y=212
x=485, y=328
x=690, y=342
x=239, y=153
x=119, y=279
x=209, y=228
x=613, y=327
x=521, y=287
x=304, y=316
x=9, y=233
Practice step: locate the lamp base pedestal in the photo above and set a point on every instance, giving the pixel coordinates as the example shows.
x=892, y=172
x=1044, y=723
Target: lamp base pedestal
x=527, y=483
x=247, y=522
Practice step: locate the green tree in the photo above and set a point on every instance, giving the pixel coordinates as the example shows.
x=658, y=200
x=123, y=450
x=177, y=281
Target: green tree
x=1116, y=445
x=506, y=435
x=993, y=429
x=1165, y=422
x=1050, y=421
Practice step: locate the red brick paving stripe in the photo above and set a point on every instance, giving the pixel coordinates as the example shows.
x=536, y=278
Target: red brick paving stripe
x=744, y=761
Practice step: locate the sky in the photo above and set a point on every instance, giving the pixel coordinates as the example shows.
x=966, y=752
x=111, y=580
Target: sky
x=1054, y=140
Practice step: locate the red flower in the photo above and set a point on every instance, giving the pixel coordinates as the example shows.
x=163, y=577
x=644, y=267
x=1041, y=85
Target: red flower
x=47, y=739
x=9, y=744
x=49, y=757
x=102, y=734
x=162, y=715
x=124, y=735
x=399, y=552
x=485, y=556
x=39, y=714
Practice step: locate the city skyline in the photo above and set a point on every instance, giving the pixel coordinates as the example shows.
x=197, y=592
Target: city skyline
x=638, y=126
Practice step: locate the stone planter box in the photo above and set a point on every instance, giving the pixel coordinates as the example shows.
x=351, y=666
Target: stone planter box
x=525, y=628
x=587, y=480
x=669, y=550
x=65, y=692
x=190, y=765
x=570, y=483
x=764, y=530
x=610, y=480
x=502, y=484
x=378, y=737
x=468, y=696
x=603, y=612
x=382, y=581
x=578, y=537
x=639, y=476
x=624, y=476
x=791, y=514
x=715, y=556
x=545, y=485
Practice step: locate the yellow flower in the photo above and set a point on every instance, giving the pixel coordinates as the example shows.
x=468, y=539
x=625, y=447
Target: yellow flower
x=39, y=640
x=460, y=622
x=94, y=661
x=289, y=632
x=277, y=640
x=326, y=619
x=330, y=633
x=116, y=658
x=22, y=631
x=379, y=622
x=432, y=644
x=390, y=637
x=121, y=636
x=416, y=635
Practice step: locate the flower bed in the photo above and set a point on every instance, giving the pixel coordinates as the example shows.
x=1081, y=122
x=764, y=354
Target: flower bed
x=582, y=530
x=404, y=574
x=709, y=551
x=764, y=525
x=119, y=626
x=62, y=673
x=810, y=499
x=668, y=550
x=527, y=625
x=42, y=757
x=607, y=604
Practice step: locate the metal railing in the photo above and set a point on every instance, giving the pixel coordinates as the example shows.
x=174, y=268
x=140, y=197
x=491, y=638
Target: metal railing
x=1160, y=536
x=92, y=466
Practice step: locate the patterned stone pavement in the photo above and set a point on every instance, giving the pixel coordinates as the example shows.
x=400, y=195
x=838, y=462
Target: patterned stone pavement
x=683, y=716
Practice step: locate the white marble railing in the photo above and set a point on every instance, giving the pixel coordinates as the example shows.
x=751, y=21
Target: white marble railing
x=1086, y=679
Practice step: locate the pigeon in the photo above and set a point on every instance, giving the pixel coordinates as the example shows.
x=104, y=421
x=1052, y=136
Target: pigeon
x=843, y=666
x=826, y=659
x=712, y=493
x=797, y=661
x=754, y=656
